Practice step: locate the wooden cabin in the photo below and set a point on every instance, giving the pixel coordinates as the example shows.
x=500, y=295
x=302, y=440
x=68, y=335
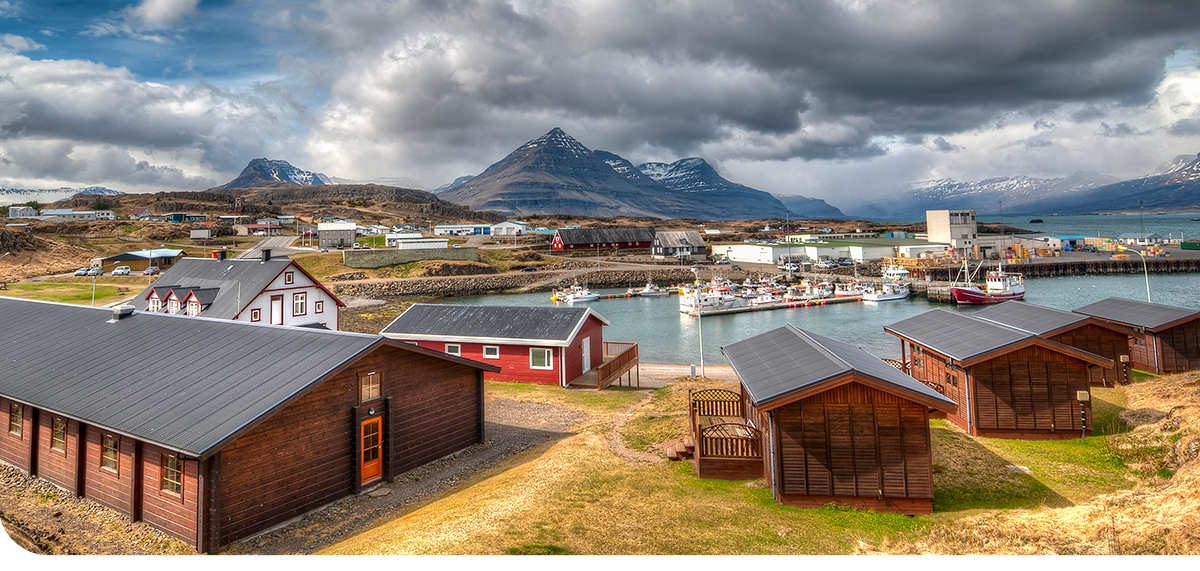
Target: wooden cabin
x=1011, y=383
x=1166, y=339
x=252, y=426
x=1080, y=331
x=543, y=345
x=839, y=425
x=568, y=239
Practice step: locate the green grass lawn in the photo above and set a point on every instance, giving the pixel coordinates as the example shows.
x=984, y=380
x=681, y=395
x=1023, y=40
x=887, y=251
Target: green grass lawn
x=78, y=293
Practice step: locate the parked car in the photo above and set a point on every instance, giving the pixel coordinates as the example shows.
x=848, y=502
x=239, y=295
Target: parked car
x=846, y=263
x=95, y=271
x=735, y=267
x=529, y=269
x=700, y=267
x=121, y=271
x=366, y=246
x=458, y=245
x=357, y=246
x=82, y=271
x=826, y=264
x=151, y=271
x=324, y=249
x=722, y=261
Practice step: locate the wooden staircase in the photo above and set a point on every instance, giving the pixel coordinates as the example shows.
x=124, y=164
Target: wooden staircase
x=681, y=449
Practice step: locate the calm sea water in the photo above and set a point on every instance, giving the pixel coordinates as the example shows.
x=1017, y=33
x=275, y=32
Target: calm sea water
x=666, y=336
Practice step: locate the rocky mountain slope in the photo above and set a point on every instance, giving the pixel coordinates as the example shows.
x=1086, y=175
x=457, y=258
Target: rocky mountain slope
x=21, y=195
x=1016, y=192
x=695, y=175
x=1174, y=187
x=262, y=173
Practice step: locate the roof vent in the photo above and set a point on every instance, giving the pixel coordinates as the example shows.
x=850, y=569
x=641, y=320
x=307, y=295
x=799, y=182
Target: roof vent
x=266, y=254
x=122, y=311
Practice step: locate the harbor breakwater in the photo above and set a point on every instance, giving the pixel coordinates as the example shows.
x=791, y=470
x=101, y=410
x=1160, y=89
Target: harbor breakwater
x=527, y=282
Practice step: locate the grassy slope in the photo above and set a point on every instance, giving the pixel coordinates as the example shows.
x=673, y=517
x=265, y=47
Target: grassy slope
x=578, y=496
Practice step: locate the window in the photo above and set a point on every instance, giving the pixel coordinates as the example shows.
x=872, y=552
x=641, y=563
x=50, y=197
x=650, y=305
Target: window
x=15, y=419
x=299, y=303
x=541, y=359
x=172, y=306
x=491, y=352
x=58, y=434
x=455, y=350
x=370, y=386
x=289, y=277
x=319, y=306
x=108, y=452
x=172, y=474
x=155, y=304
x=193, y=308
x=255, y=315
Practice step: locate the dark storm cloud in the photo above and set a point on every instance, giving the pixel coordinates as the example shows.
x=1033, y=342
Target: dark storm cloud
x=1186, y=127
x=941, y=144
x=1120, y=130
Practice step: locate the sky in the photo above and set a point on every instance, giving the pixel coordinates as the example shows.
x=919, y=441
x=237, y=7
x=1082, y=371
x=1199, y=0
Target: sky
x=843, y=100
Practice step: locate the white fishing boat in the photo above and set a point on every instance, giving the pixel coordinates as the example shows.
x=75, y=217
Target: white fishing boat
x=651, y=290
x=692, y=300
x=886, y=291
x=575, y=294
x=895, y=274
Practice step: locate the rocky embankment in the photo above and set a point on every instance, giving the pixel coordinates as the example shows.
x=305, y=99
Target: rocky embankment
x=524, y=281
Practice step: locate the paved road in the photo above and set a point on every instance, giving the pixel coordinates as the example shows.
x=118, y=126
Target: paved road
x=279, y=246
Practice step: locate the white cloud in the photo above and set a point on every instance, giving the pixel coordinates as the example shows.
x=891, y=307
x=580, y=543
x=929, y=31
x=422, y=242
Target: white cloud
x=18, y=44
x=159, y=14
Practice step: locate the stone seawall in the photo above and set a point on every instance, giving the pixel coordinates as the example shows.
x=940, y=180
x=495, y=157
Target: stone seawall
x=380, y=257
x=525, y=281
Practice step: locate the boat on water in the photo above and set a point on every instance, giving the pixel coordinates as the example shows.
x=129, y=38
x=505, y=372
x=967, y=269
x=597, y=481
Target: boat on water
x=1036, y=221
x=575, y=294
x=895, y=274
x=850, y=289
x=997, y=286
x=887, y=291
x=650, y=290
x=692, y=300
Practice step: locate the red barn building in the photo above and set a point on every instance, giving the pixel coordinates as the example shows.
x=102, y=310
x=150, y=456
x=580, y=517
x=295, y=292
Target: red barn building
x=1011, y=383
x=252, y=426
x=1166, y=338
x=839, y=425
x=567, y=239
x=543, y=345
x=1079, y=331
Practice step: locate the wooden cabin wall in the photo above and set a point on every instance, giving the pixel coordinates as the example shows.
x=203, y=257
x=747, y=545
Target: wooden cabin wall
x=173, y=513
x=112, y=488
x=17, y=449
x=1103, y=342
x=1030, y=393
x=855, y=442
x=1179, y=348
x=941, y=374
x=1141, y=353
x=58, y=466
x=439, y=410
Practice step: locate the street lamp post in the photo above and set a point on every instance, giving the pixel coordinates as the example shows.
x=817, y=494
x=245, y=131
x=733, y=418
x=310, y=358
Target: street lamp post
x=787, y=227
x=700, y=322
x=1145, y=271
x=94, y=278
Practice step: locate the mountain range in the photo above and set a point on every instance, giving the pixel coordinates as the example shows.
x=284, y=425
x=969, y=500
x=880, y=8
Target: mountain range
x=20, y=195
x=556, y=174
x=267, y=173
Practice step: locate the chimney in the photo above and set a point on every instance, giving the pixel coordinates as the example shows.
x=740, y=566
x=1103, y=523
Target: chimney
x=221, y=254
x=266, y=255
x=121, y=312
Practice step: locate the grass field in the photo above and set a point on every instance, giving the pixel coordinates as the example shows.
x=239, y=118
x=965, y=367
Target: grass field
x=577, y=496
x=108, y=290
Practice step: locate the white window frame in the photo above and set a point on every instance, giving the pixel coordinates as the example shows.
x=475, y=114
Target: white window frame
x=549, y=353
x=319, y=306
x=493, y=349
x=299, y=301
x=193, y=308
x=456, y=351
x=172, y=305
x=155, y=305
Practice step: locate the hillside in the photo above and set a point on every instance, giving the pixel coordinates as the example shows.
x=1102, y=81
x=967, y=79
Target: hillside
x=1018, y=193
x=1173, y=187
x=262, y=173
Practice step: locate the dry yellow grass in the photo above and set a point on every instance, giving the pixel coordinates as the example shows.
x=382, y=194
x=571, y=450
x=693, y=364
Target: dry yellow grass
x=1160, y=516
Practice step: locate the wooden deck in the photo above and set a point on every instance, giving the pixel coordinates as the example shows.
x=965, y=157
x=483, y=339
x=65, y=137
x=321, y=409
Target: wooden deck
x=619, y=366
x=726, y=445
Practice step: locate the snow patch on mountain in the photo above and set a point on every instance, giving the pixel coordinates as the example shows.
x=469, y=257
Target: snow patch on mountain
x=19, y=195
x=284, y=172
x=557, y=138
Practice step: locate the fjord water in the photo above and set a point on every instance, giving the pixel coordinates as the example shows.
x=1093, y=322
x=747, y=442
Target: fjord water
x=664, y=335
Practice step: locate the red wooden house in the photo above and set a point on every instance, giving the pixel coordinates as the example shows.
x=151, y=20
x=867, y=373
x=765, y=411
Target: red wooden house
x=838, y=424
x=1165, y=339
x=1011, y=383
x=253, y=426
x=543, y=345
x=1080, y=331
x=567, y=239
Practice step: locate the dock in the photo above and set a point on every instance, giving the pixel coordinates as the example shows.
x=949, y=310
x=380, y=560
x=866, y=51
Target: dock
x=780, y=305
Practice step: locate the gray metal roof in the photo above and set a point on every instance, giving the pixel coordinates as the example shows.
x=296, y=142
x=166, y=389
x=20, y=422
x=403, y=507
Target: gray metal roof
x=254, y=275
x=186, y=383
x=957, y=335
x=788, y=359
x=1026, y=316
x=1136, y=313
x=544, y=325
x=605, y=235
x=678, y=238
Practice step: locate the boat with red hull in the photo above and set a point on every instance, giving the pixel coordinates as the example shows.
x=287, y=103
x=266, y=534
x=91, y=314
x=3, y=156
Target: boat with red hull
x=998, y=286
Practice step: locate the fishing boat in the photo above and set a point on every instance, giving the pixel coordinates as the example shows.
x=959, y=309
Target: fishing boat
x=693, y=300
x=895, y=274
x=997, y=286
x=887, y=291
x=651, y=290
x=850, y=289
x=575, y=294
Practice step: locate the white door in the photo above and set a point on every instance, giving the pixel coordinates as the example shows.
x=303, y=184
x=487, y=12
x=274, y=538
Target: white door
x=587, y=354
x=277, y=310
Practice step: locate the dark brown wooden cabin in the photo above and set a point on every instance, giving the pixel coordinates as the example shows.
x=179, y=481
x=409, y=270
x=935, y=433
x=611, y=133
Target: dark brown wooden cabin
x=251, y=426
x=840, y=426
x=1079, y=331
x=1167, y=339
x=1012, y=383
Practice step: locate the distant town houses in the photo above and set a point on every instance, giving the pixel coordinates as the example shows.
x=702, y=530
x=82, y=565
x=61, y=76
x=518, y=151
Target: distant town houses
x=507, y=228
x=68, y=214
x=21, y=212
x=685, y=244
x=274, y=291
x=261, y=229
x=140, y=260
x=338, y=234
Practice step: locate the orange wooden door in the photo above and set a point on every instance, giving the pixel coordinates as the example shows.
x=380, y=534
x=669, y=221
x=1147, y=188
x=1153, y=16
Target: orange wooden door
x=372, y=449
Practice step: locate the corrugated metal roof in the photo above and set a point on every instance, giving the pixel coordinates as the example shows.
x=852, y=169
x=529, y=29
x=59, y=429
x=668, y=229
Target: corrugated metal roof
x=547, y=325
x=788, y=359
x=1029, y=317
x=186, y=383
x=254, y=275
x=1136, y=313
x=605, y=235
x=955, y=334
x=147, y=254
x=678, y=238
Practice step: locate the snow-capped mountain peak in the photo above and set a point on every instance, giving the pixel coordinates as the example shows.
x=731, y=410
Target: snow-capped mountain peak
x=557, y=139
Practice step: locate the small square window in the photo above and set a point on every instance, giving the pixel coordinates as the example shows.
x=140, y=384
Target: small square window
x=541, y=359
x=172, y=474
x=289, y=277
x=319, y=306
x=255, y=315
x=491, y=351
x=108, y=452
x=455, y=350
x=15, y=419
x=370, y=386
x=299, y=303
x=58, y=434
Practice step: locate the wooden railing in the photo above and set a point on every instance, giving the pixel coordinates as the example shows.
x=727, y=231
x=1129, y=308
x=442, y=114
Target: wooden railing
x=730, y=440
x=619, y=358
x=715, y=402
